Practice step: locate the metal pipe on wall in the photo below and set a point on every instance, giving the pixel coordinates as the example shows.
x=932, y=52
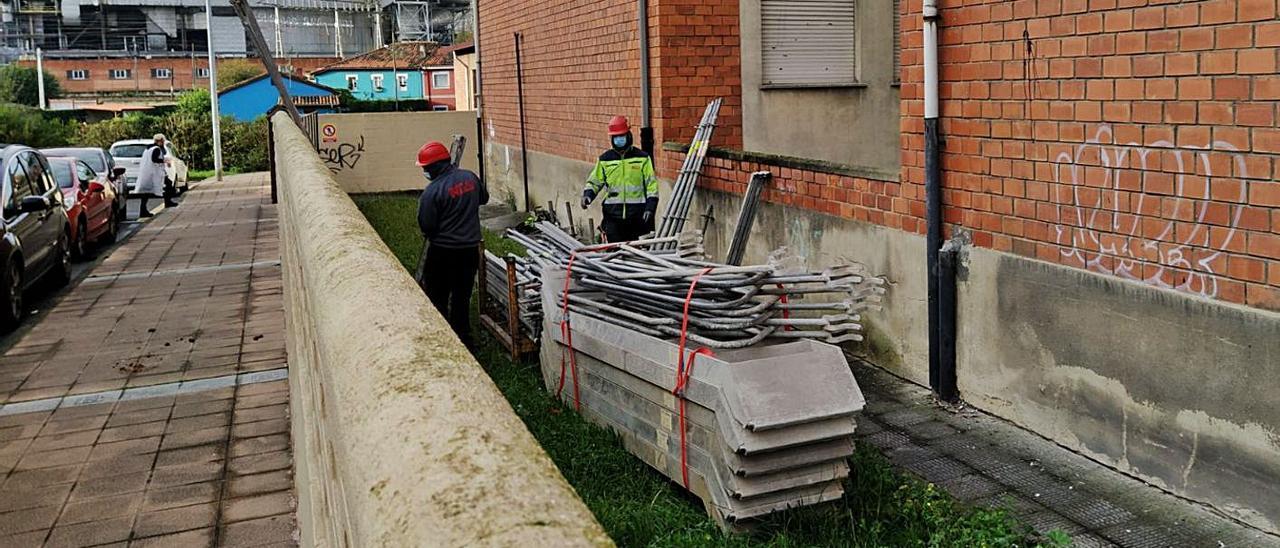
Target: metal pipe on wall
x=942, y=328
x=524, y=149
x=475, y=88
x=646, y=115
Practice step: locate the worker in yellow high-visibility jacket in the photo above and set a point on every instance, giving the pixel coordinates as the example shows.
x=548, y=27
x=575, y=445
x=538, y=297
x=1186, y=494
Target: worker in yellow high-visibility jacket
x=626, y=174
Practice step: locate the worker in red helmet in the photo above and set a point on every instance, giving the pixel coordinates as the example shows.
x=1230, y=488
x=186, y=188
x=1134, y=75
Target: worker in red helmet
x=625, y=173
x=449, y=216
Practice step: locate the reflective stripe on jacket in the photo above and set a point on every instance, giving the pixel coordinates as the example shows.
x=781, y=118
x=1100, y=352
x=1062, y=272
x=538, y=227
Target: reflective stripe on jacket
x=629, y=178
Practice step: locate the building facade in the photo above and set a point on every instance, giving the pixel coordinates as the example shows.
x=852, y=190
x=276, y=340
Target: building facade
x=158, y=74
x=252, y=98
x=400, y=71
x=1109, y=169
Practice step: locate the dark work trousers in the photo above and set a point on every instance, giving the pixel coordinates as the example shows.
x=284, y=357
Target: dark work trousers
x=448, y=275
x=625, y=229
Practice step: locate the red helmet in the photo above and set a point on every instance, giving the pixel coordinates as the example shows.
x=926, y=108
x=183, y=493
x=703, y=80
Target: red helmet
x=431, y=153
x=619, y=126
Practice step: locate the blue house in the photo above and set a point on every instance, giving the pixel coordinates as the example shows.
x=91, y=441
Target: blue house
x=392, y=72
x=254, y=97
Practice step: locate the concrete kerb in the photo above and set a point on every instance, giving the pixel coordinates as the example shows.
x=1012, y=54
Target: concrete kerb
x=401, y=439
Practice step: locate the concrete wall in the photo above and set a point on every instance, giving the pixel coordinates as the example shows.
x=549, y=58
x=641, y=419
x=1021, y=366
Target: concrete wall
x=464, y=67
x=852, y=125
x=1175, y=389
x=375, y=152
x=400, y=438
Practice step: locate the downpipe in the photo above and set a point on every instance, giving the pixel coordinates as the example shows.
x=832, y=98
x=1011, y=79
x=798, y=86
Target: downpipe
x=646, y=116
x=941, y=263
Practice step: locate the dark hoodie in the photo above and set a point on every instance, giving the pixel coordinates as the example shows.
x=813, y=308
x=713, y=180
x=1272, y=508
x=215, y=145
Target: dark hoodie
x=449, y=208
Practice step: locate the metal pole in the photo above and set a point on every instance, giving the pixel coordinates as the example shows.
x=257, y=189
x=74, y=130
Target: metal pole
x=524, y=149
x=260, y=45
x=646, y=117
x=213, y=94
x=337, y=34
x=40, y=76
x=279, y=35
x=377, y=27
x=475, y=88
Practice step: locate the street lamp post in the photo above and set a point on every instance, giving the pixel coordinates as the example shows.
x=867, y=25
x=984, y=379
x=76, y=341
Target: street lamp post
x=213, y=94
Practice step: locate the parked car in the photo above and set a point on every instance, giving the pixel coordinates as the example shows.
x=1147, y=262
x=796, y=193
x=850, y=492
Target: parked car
x=36, y=239
x=89, y=205
x=104, y=165
x=128, y=154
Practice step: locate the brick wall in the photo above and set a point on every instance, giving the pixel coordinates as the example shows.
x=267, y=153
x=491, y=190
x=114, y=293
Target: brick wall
x=582, y=66
x=140, y=79
x=1136, y=138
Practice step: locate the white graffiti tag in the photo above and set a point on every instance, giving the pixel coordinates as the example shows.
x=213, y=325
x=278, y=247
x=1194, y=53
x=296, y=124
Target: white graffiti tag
x=1115, y=225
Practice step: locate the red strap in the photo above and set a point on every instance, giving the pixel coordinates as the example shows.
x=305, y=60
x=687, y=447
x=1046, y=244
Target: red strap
x=683, y=373
x=786, y=312
x=567, y=332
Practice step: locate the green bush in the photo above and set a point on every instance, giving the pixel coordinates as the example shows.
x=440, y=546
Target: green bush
x=130, y=126
x=29, y=126
x=244, y=144
x=19, y=85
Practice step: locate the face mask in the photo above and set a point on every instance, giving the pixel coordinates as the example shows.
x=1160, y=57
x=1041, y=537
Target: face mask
x=619, y=141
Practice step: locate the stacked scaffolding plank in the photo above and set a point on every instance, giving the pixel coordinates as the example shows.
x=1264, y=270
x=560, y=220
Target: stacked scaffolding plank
x=755, y=431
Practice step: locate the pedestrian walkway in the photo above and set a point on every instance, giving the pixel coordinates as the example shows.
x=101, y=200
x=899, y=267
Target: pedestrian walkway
x=150, y=406
x=982, y=460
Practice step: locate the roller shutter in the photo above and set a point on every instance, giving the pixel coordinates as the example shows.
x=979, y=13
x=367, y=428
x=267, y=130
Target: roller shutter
x=808, y=42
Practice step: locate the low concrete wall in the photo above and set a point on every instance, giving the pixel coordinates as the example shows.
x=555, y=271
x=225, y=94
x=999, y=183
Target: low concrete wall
x=400, y=438
x=375, y=151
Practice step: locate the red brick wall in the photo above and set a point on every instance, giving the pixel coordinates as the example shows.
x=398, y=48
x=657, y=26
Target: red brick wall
x=1138, y=138
x=582, y=66
x=141, y=80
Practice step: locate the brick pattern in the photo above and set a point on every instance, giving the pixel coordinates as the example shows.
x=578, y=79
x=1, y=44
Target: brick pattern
x=1136, y=138
x=845, y=196
x=582, y=66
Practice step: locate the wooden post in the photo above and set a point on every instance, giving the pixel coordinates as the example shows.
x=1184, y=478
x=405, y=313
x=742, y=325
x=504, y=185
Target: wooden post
x=513, y=309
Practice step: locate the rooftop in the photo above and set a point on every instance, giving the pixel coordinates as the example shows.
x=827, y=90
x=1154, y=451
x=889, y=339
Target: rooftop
x=400, y=55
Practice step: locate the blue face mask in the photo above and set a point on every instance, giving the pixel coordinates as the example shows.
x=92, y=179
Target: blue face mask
x=619, y=141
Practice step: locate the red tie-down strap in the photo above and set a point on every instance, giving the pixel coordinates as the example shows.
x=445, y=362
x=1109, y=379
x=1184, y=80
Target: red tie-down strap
x=567, y=332
x=684, y=370
x=786, y=312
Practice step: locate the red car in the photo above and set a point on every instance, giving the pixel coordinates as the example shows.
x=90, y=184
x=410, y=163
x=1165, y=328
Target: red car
x=89, y=204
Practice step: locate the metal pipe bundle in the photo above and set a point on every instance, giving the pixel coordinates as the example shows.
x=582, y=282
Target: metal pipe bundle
x=682, y=195
x=754, y=431
x=747, y=217
x=665, y=293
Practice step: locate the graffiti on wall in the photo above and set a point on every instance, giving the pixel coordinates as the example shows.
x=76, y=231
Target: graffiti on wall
x=1111, y=228
x=342, y=156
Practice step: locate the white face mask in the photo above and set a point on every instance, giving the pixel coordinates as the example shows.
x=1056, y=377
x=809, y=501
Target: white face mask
x=619, y=141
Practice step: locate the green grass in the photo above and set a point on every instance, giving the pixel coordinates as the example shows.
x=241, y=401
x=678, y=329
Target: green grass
x=639, y=507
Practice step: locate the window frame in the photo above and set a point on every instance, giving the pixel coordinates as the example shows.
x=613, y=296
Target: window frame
x=402, y=81
x=353, y=82
x=82, y=73
x=439, y=108
x=157, y=71
x=448, y=81
x=118, y=74
x=201, y=73
x=376, y=80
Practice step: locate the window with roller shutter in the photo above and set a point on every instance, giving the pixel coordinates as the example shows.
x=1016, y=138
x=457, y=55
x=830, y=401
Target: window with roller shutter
x=808, y=43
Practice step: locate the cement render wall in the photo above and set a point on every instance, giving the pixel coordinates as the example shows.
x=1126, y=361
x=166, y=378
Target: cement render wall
x=1172, y=388
x=376, y=151
x=400, y=438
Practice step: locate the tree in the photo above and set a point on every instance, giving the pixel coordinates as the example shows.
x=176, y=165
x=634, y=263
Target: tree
x=32, y=127
x=234, y=71
x=19, y=84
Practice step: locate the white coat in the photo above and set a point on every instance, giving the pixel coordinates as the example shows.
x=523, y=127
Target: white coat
x=150, y=174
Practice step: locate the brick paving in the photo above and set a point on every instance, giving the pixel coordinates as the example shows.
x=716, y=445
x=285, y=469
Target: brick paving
x=201, y=456
x=982, y=460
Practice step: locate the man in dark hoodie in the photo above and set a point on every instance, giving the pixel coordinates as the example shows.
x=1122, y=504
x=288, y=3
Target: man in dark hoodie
x=449, y=216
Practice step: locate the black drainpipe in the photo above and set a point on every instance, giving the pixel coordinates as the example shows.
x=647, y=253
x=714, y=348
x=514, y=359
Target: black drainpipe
x=524, y=149
x=942, y=299
x=476, y=91
x=646, y=118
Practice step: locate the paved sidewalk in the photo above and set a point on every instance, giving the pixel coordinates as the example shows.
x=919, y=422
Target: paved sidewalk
x=149, y=406
x=983, y=460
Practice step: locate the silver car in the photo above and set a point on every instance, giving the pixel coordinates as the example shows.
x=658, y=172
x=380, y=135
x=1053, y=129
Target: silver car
x=128, y=154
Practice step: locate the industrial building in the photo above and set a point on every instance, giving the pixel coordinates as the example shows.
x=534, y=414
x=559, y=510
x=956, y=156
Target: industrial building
x=337, y=28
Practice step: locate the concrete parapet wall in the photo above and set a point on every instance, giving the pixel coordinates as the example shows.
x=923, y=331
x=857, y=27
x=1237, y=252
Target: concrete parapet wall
x=400, y=438
x=375, y=151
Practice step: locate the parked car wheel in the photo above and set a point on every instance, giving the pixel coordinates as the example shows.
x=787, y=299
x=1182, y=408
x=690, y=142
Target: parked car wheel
x=80, y=244
x=113, y=230
x=60, y=274
x=11, y=306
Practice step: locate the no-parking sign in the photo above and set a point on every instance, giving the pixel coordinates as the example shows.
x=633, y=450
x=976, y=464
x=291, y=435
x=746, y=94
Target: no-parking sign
x=329, y=133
